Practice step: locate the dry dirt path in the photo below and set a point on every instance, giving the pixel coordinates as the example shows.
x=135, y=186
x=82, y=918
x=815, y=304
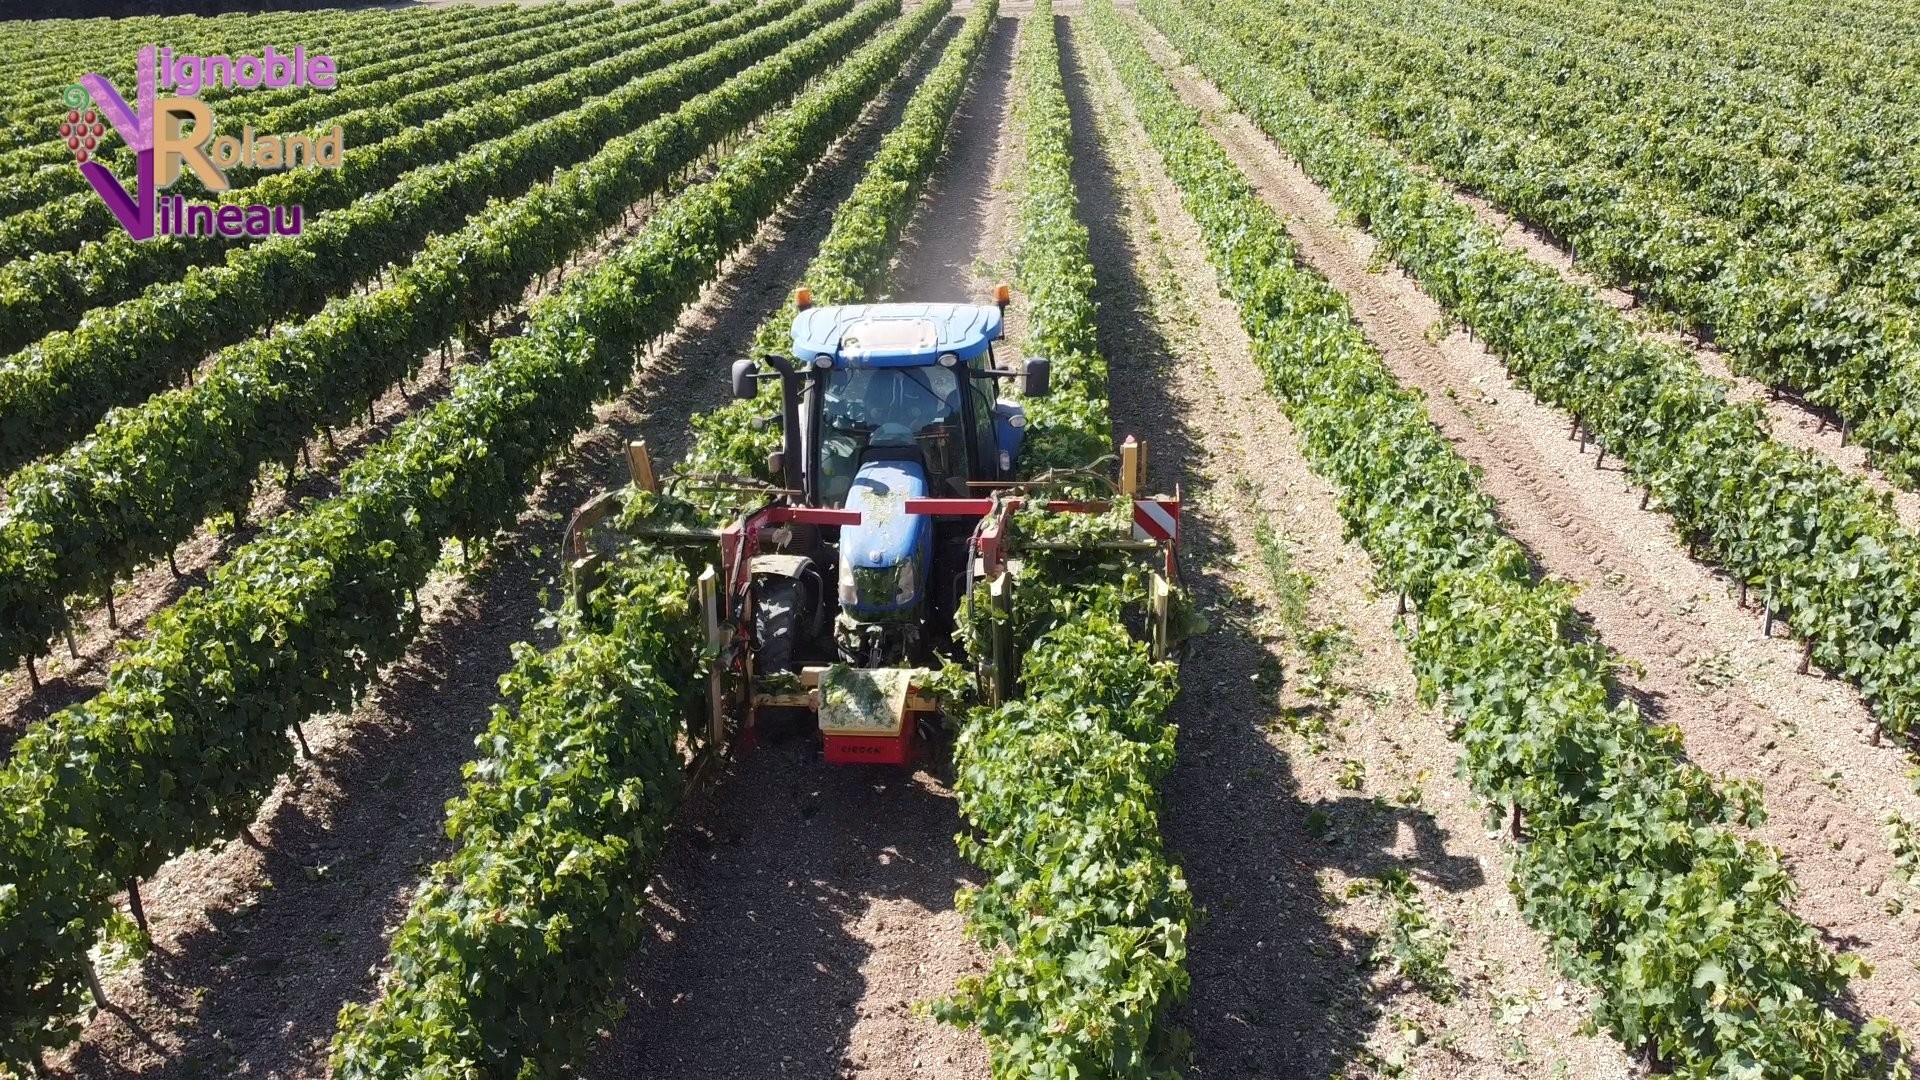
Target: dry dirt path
x=1282, y=797
x=804, y=909
x=1690, y=656
x=259, y=942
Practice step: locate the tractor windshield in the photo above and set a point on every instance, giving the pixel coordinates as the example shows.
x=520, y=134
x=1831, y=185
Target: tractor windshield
x=894, y=413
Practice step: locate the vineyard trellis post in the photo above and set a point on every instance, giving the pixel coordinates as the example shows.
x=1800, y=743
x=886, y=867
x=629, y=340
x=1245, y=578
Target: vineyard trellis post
x=93, y=983
x=137, y=906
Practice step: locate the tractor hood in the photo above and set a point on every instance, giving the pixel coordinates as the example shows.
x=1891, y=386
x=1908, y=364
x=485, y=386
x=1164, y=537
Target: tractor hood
x=883, y=560
x=894, y=335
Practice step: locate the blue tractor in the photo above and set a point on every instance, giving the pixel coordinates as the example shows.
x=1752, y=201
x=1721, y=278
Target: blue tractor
x=895, y=484
x=881, y=404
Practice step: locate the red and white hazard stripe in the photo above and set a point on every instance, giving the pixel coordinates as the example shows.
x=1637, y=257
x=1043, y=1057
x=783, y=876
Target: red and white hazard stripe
x=1156, y=519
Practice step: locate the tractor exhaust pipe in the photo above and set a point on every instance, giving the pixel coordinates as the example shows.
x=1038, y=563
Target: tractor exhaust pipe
x=793, y=383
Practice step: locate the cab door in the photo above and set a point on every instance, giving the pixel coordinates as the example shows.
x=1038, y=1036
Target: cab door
x=986, y=447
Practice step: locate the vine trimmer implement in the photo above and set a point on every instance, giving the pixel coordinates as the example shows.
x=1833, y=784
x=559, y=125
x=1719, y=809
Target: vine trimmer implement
x=838, y=596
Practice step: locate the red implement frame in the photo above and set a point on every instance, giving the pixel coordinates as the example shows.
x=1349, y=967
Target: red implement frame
x=1161, y=517
x=1155, y=519
x=1156, y=523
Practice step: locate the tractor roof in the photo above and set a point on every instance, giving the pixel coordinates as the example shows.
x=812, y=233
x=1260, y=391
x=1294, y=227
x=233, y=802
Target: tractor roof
x=895, y=335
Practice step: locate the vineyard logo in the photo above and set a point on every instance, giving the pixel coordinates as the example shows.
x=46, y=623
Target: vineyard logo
x=169, y=135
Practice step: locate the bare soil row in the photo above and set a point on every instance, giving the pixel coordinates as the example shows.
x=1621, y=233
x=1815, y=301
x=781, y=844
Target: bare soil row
x=1307, y=768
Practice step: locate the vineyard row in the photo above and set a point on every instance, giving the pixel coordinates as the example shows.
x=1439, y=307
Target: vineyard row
x=392, y=196
x=510, y=955
x=1631, y=861
x=369, y=112
x=75, y=523
x=1823, y=550
x=191, y=733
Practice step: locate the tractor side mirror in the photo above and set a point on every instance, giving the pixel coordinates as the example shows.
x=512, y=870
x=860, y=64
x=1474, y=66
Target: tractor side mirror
x=746, y=376
x=777, y=465
x=1037, y=377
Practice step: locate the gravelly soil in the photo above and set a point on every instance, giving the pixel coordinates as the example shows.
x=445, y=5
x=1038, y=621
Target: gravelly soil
x=1691, y=656
x=1281, y=799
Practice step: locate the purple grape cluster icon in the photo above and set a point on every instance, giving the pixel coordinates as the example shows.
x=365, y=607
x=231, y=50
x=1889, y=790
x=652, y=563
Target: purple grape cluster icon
x=82, y=127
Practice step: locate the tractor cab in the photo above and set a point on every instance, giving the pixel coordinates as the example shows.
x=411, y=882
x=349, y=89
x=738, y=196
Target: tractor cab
x=914, y=385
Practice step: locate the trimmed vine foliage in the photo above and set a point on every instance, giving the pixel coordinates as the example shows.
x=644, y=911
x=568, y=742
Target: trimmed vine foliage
x=1085, y=915
x=190, y=734
x=150, y=475
x=1770, y=211
x=1824, y=550
x=1633, y=866
x=1060, y=786
x=1070, y=428
x=481, y=975
x=509, y=957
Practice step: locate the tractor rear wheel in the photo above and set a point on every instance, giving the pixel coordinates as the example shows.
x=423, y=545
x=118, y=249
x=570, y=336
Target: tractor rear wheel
x=777, y=612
